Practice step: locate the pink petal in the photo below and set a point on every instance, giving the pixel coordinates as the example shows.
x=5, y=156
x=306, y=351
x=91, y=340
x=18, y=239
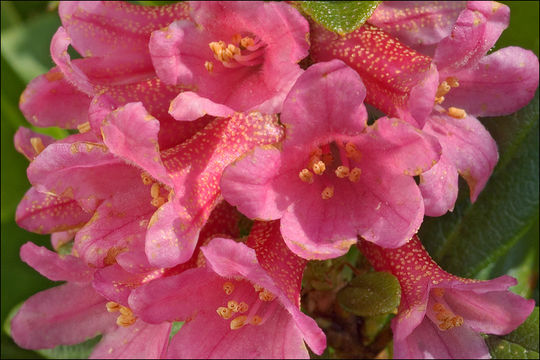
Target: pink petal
x=307, y=117
x=285, y=268
x=63, y=315
x=23, y=142
x=45, y=213
x=139, y=340
x=196, y=169
x=439, y=187
x=112, y=21
x=476, y=30
x=45, y=94
x=468, y=146
x=59, y=239
x=427, y=342
x=115, y=284
x=189, y=106
x=229, y=259
x=63, y=166
x=55, y=267
x=418, y=24
x=116, y=224
x=500, y=84
x=131, y=133
x=399, y=81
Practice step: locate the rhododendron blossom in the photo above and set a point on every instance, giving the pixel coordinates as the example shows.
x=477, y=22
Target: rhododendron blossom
x=333, y=177
x=440, y=315
x=243, y=303
x=239, y=57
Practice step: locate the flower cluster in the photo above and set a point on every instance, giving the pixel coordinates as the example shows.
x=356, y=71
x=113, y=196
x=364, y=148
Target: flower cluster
x=208, y=167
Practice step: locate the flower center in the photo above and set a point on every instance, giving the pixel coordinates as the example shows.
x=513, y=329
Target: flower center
x=443, y=89
x=241, y=313
x=242, y=51
x=444, y=317
x=337, y=157
x=126, y=317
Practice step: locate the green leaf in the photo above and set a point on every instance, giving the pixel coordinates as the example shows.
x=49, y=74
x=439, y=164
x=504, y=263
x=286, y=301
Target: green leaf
x=176, y=326
x=371, y=294
x=78, y=351
x=474, y=235
x=341, y=17
x=521, y=343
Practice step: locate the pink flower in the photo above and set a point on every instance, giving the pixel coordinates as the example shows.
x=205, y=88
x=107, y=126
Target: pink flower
x=333, y=177
x=95, y=301
x=458, y=35
x=238, y=56
x=440, y=315
x=244, y=303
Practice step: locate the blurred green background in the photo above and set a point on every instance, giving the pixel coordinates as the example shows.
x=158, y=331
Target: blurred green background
x=27, y=28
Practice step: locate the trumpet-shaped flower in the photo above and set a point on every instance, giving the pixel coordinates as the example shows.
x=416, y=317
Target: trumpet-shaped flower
x=238, y=56
x=244, y=303
x=334, y=177
x=441, y=315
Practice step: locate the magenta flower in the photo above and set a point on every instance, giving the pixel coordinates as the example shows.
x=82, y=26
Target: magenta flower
x=238, y=56
x=440, y=315
x=243, y=303
x=333, y=177
x=470, y=84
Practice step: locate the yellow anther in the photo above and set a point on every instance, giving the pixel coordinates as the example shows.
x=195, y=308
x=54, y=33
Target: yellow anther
x=446, y=318
x=236, y=38
x=238, y=322
x=157, y=202
x=242, y=307
x=125, y=320
x=313, y=159
x=445, y=326
x=233, y=305
x=457, y=321
x=327, y=193
x=439, y=100
x=452, y=81
x=84, y=127
x=319, y=167
x=224, y=312
x=37, y=144
x=306, y=176
x=439, y=292
x=146, y=179
x=209, y=66
x=351, y=149
x=247, y=41
x=443, y=89
x=456, y=112
x=112, y=306
x=258, y=287
x=327, y=159
x=154, y=190
x=255, y=320
x=438, y=307
x=228, y=287
x=125, y=310
x=354, y=175
x=233, y=50
x=266, y=295
x=342, y=171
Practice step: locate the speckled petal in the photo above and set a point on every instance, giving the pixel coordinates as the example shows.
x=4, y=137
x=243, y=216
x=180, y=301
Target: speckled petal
x=439, y=187
x=23, y=142
x=189, y=106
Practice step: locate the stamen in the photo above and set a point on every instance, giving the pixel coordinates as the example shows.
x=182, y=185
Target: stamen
x=439, y=100
x=125, y=310
x=246, y=42
x=146, y=179
x=327, y=193
x=255, y=320
x=319, y=167
x=224, y=312
x=447, y=319
x=236, y=38
x=126, y=317
x=228, y=287
x=354, y=175
x=112, y=306
x=342, y=172
x=157, y=202
x=242, y=307
x=83, y=128
x=258, y=287
x=443, y=89
x=266, y=295
x=233, y=305
x=452, y=81
x=37, y=144
x=154, y=190
x=306, y=176
x=317, y=152
x=327, y=159
x=352, y=151
x=456, y=112
x=209, y=66
x=238, y=322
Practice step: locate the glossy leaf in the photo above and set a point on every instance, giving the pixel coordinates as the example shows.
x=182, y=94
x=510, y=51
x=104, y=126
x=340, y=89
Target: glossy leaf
x=474, y=235
x=371, y=294
x=341, y=17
